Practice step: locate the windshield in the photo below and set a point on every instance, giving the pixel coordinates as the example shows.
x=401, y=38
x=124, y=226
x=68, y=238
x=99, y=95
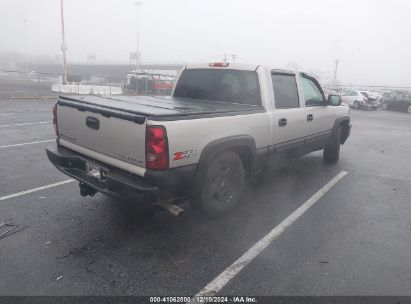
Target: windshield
x=223, y=85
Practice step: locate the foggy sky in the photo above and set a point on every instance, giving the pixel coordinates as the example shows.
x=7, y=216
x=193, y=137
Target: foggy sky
x=372, y=39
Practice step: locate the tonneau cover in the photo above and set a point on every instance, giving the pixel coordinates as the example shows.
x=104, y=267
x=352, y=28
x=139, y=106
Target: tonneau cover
x=160, y=106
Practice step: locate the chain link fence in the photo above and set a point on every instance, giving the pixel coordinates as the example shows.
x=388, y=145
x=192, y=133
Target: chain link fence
x=18, y=84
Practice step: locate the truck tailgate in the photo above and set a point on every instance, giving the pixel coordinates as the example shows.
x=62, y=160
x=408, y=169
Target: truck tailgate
x=104, y=135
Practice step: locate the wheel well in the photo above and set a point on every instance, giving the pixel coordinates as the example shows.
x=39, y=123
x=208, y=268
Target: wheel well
x=344, y=131
x=246, y=156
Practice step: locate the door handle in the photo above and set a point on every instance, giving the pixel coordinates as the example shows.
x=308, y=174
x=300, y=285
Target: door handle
x=310, y=117
x=282, y=122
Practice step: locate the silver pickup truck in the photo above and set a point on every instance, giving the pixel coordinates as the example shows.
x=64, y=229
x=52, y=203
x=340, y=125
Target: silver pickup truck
x=223, y=123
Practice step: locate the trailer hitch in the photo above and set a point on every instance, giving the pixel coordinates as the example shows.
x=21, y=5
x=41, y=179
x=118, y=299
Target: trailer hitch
x=86, y=190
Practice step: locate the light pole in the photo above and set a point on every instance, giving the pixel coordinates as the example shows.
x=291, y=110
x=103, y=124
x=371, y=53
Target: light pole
x=138, y=55
x=335, y=71
x=337, y=61
x=63, y=43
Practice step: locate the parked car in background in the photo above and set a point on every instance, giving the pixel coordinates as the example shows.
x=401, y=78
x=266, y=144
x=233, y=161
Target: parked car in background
x=344, y=91
x=150, y=83
x=372, y=97
x=385, y=94
x=399, y=100
x=360, y=99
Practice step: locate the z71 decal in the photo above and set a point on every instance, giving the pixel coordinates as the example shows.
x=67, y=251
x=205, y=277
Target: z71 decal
x=184, y=154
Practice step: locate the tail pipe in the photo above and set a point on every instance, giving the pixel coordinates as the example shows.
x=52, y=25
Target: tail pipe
x=173, y=209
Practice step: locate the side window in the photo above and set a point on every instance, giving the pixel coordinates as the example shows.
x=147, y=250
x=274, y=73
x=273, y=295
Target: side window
x=312, y=93
x=285, y=91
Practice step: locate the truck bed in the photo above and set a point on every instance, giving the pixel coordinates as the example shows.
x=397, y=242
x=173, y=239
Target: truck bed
x=159, y=107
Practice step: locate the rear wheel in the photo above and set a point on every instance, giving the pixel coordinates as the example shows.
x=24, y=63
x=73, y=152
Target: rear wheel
x=222, y=185
x=409, y=109
x=331, y=153
x=356, y=104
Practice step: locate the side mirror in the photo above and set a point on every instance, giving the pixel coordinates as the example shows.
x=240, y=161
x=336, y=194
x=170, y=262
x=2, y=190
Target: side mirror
x=334, y=100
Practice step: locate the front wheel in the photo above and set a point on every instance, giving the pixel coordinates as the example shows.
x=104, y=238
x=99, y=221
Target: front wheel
x=356, y=105
x=331, y=153
x=222, y=185
x=409, y=109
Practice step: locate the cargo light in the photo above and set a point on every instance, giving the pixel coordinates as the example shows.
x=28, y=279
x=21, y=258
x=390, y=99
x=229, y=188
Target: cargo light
x=56, y=130
x=219, y=64
x=156, y=148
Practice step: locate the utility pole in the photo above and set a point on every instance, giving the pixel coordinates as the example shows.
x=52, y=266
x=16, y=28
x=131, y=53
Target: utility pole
x=335, y=71
x=138, y=55
x=63, y=43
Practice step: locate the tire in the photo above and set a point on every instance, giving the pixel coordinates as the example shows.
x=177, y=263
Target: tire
x=384, y=106
x=356, y=105
x=409, y=109
x=331, y=153
x=222, y=186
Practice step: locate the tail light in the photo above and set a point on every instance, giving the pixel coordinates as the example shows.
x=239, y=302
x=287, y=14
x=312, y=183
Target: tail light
x=56, y=130
x=156, y=148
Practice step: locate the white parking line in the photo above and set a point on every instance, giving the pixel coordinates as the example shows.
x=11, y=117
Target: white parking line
x=28, y=143
x=5, y=114
x=220, y=281
x=2, y=198
x=25, y=124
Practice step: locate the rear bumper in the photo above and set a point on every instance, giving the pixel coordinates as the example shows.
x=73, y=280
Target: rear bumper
x=119, y=183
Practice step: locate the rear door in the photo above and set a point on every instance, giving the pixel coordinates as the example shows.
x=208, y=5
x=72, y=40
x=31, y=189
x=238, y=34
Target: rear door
x=288, y=116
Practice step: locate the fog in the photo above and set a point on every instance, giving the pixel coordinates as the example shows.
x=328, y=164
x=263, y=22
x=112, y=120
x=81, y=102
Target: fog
x=370, y=38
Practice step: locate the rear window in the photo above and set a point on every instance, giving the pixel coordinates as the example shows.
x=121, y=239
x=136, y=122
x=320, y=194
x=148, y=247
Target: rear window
x=224, y=85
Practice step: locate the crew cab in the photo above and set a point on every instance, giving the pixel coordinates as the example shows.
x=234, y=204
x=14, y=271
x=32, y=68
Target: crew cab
x=224, y=122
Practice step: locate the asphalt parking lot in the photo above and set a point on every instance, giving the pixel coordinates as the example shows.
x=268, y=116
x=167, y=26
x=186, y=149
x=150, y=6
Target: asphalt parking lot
x=355, y=240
